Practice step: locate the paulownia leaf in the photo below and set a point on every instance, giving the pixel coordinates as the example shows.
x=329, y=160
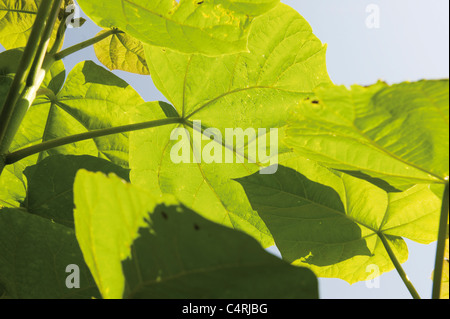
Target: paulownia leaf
x=122, y=52
x=182, y=255
x=34, y=255
x=92, y=98
x=211, y=27
x=16, y=21
x=50, y=184
x=330, y=221
x=398, y=133
x=178, y=254
x=247, y=91
x=12, y=183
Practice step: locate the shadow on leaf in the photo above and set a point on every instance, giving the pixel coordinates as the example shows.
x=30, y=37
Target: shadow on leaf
x=307, y=220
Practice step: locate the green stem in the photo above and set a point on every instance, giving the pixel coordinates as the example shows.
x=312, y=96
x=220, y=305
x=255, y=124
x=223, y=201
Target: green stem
x=2, y=163
x=35, y=78
x=398, y=266
x=20, y=154
x=440, y=250
x=59, y=36
x=82, y=45
x=25, y=65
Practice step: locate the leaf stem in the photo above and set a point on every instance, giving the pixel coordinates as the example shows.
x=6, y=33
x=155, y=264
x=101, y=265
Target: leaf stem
x=28, y=56
x=82, y=45
x=34, y=80
x=440, y=250
x=398, y=266
x=20, y=154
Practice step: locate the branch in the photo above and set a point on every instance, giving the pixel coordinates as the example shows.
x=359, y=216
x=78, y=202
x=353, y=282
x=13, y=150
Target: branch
x=20, y=154
x=82, y=45
x=29, y=55
x=440, y=250
x=398, y=266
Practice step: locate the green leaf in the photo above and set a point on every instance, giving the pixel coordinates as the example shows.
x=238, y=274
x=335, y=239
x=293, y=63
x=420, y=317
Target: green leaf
x=12, y=183
x=107, y=217
x=16, y=20
x=248, y=91
x=397, y=133
x=92, y=98
x=9, y=61
x=182, y=255
x=50, y=184
x=178, y=254
x=211, y=27
x=122, y=52
x=330, y=221
x=34, y=254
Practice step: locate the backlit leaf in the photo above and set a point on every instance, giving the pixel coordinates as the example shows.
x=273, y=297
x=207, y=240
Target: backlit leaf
x=50, y=184
x=248, y=91
x=34, y=255
x=330, y=221
x=178, y=254
x=16, y=21
x=211, y=27
x=397, y=133
x=122, y=52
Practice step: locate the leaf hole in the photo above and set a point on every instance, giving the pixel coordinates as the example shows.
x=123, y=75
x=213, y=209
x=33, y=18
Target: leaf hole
x=164, y=215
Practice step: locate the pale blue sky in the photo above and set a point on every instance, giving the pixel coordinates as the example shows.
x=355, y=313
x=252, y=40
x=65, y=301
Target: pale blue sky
x=410, y=44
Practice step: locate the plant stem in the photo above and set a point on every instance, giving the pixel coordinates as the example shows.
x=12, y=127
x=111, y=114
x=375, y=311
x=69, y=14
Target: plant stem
x=398, y=266
x=440, y=250
x=2, y=163
x=34, y=80
x=82, y=45
x=29, y=54
x=20, y=154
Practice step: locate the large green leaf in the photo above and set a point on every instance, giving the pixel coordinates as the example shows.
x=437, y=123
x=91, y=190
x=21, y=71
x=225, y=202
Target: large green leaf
x=122, y=52
x=34, y=255
x=50, y=184
x=248, y=91
x=212, y=27
x=16, y=21
x=330, y=221
x=92, y=98
x=40, y=236
x=12, y=183
x=396, y=133
x=178, y=254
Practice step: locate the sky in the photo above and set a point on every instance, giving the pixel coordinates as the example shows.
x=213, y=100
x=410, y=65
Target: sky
x=407, y=40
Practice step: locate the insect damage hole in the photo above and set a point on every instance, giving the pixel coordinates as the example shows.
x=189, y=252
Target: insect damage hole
x=196, y=227
x=164, y=215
